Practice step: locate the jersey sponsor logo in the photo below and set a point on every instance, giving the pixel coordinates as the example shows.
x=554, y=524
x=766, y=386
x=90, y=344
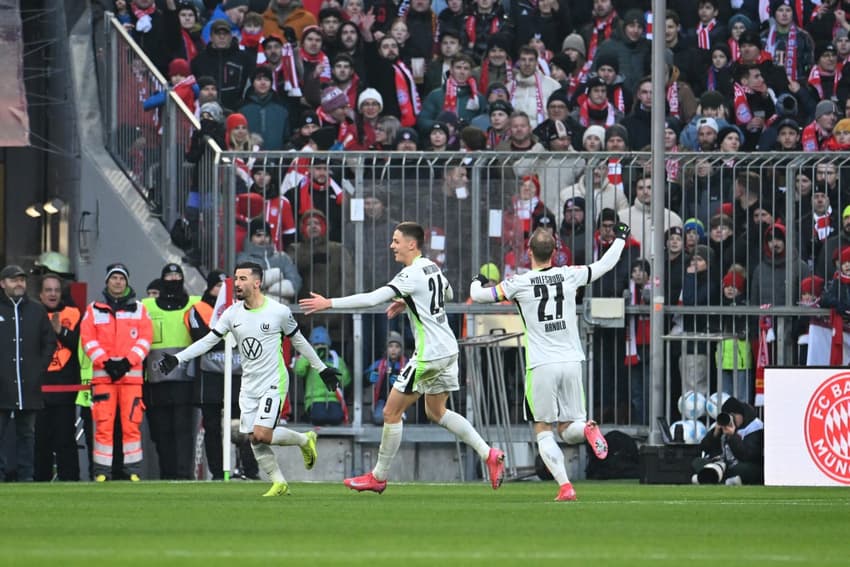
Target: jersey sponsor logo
x=252, y=348
x=827, y=428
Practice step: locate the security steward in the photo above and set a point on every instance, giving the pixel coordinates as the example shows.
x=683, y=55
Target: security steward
x=169, y=398
x=55, y=426
x=116, y=335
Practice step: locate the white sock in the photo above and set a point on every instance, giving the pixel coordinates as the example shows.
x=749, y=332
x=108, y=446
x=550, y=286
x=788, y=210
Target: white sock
x=462, y=429
x=267, y=461
x=574, y=433
x=284, y=436
x=390, y=442
x=552, y=456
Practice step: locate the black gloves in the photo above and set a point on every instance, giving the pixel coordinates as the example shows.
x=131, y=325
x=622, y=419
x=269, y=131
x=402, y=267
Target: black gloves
x=480, y=278
x=330, y=376
x=116, y=368
x=167, y=363
x=622, y=230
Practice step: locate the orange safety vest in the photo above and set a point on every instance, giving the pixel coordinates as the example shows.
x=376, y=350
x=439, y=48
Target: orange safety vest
x=68, y=318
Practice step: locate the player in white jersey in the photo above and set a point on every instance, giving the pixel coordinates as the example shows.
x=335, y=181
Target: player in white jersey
x=546, y=300
x=421, y=289
x=259, y=324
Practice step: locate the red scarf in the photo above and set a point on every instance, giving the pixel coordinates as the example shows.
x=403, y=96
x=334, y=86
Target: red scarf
x=816, y=81
x=406, y=94
x=673, y=98
x=472, y=23
x=251, y=40
x=763, y=357
x=320, y=59
x=790, y=49
x=703, y=31
x=541, y=115
x=619, y=100
x=278, y=213
x=346, y=130
x=286, y=75
x=450, y=100
x=184, y=90
x=821, y=225
x=743, y=114
x=576, y=80
x=615, y=173
x=307, y=188
x=484, y=80
x=672, y=166
x=139, y=13
x=600, y=26
x=638, y=331
x=584, y=113
x=734, y=49
x=812, y=137
x=352, y=90
x=188, y=45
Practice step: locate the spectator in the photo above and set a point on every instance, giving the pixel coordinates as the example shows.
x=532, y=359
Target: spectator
x=265, y=112
x=317, y=189
x=280, y=276
x=601, y=28
x=369, y=107
x=817, y=224
x=531, y=89
x=639, y=217
x=753, y=102
x=330, y=20
x=787, y=137
x=522, y=138
x=560, y=69
x=29, y=344
x=282, y=14
x=117, y=347
x=391, y=77
x=500, y=122
x=637, y=341
x=383, y=373
x=710, y=31
x=677, y=262
x=604, y=196
x=751, y=53
x=736, y=371
x=168, y=399
x=183, y=29
x=699, y=288
x=316, y=67
x=438, y=69
x=679, y=95
x=251, y=33
x=345, y=79
x=787, y=43
x=595, y=109
x=573, y=228
x=817, y=136
x=769, y=277
x=459, y=95
x=323, y=406
x=712, y=104
x=351, y=44
x=592, y=138
x=736, y=448
x=824, y=78
x=336, y=114
x=496, y=66
x=230, y=12
x=638, y=123
x=226, y=63
x=694, y=235
x=420, y=20
x=686, y=57
x=630, y=51
x=182, y=83
x=719, y=75
x=148, y=28
x=485, y=19
x=452, y=17
x=526, y=207
x=721, y=239
x=55, y=426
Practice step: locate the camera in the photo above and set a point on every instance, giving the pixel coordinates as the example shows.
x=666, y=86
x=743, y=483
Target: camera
x=724, y=419
x=711, y=473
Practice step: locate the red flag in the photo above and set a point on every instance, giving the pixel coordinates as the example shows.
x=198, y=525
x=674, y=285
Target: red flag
x=763, y=358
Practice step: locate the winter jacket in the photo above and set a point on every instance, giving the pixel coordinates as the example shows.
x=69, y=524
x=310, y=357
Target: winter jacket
x=314, y=389
x=230, y=67
x=433, y=105
x=27, y=344
x=525, y=94
x=268, y=117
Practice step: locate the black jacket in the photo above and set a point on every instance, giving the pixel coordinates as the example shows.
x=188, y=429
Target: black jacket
x=231, y=68
x=27, y=343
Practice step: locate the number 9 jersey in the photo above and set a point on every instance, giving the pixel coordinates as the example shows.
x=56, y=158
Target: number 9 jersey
x=546, y=301
x=425, y=290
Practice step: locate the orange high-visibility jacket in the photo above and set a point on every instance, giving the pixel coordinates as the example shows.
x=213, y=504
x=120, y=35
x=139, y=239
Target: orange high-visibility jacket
x=125, y=333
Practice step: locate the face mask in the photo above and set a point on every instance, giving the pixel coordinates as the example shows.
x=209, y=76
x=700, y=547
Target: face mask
x=172, y=287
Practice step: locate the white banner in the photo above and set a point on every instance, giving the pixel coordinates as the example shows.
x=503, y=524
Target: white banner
x=807, y=426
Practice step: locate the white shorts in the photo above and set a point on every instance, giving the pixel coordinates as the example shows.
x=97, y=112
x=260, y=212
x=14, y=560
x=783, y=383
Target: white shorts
x=554, y=393
x=263, y=411
x=428, y=376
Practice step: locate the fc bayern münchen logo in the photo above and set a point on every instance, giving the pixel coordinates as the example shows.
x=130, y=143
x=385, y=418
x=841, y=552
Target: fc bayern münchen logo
x=827, y=427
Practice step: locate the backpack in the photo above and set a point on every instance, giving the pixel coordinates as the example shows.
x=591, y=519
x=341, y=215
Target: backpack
x=622, y=460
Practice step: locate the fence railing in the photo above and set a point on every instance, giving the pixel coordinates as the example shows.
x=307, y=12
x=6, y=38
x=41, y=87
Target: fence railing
x=762, y=222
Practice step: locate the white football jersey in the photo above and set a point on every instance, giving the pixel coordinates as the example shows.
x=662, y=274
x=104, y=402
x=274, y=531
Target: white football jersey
x=425, y=290
x=259, y=334
x=546, y=301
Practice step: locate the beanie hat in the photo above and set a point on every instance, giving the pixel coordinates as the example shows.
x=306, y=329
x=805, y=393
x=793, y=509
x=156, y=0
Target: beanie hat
x=704, y=252
x=407, y=135
x=171, y=268
x=333, y=98
x=320, y=336
x=214, y=110
x=594, y=130
x=308, y=117
x=214, y=278
x=324, y=138
x=235, y=120
x=674, y=230
x=117, y=268
x=608, y=215
x=750, y=37
x=490, y=271
x=544, y=221
x=734, y=279
x=575, y=42
x=448, y=117
x=730, y=129
x=845, y=213
x=844, y=255
x=574, y=203
x=609, y=59
x=634, y=15
x=395, y=337
x=563, y=62
x=787, y=123
x=776, y=4
x=370, y=94
x=812, y=285
x=695, y=224
x=179, y=67
x=501, y=106
x=442, y=127
x=206, y=81
x=559, y=95
x=155, y=285
x=775, y=232
x=748, y=23
x=786, y=105
x=449, y=32
x=824, y=48
x=259, y=225
x=594, y=81
x=496, y=86
x=617, y=130
x=825, y=107
x=317, y=214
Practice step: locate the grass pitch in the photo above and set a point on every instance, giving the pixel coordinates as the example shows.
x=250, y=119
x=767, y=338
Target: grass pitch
x=159, y=523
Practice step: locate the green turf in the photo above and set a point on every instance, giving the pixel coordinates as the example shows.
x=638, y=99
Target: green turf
x=158, y=523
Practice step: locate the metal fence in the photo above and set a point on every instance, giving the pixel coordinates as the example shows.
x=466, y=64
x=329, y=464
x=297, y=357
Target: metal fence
x=761, y=222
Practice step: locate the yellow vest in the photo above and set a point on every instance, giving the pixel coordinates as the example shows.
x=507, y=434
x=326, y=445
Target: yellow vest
x=170, y=335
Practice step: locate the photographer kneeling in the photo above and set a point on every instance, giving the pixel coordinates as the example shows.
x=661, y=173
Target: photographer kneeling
x=735, y=448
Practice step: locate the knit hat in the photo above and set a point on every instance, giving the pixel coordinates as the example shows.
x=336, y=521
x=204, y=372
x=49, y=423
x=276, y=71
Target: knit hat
x=155, y=285
x=320, y=336
x=787, y=123
x=117, y=268
x=574, y=203
x=214, y=278
x=844, y=254
x=235, y=120
x=370, y=94
x=694, y=224
x=553, y=130
x=544, y=221
x=449, y=32
x=845, y=213
x=812, y=285
x=673, y=123
x=324, y=138
x=490, y=271
x=263, y=71
x=559, y=95
x=711, y=99
x=704, y=252
x=734, y=279
x=595, y=81
x=824, y=48
x=563, y=62
x=575, y=42
x=440, y=126
x=308, y=117
x=501, y=106
x=775, y=232
x=750, y=37
x=500, y=40
x=609, y=59
x=842, y=125
x=634, y=15
x=395, y=337
x=171, y=268
x=594, y=130
x=179, y=67
x=617, y=130
x=840, y=33
x=748, y=23
x=313, y=214
x=776, y=4
x=786, y=105
x=214, y=110
x=206, y=81
x=608, y=215
x=448, y=117
x=825, y=107
x=257, y=226
x=496, y=86
x=729, y=129
x=674, y=230
x=407, y=135
x=333, y=98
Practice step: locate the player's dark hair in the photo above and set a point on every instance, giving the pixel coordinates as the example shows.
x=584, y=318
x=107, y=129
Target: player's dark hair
x=256, y=269
x=412, y=230
x=542, y=245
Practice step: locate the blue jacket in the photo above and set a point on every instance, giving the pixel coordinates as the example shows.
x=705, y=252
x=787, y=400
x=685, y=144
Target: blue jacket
x=268, y=117
x=220, y=14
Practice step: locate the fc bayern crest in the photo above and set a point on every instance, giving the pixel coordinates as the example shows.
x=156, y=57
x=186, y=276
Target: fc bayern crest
x=827, y=427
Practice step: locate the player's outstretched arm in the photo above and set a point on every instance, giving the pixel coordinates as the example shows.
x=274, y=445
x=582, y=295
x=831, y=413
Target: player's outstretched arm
x=608, y=260
x=481, y=294
x=196, y=349
x=314, y=303
x=318, y=303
